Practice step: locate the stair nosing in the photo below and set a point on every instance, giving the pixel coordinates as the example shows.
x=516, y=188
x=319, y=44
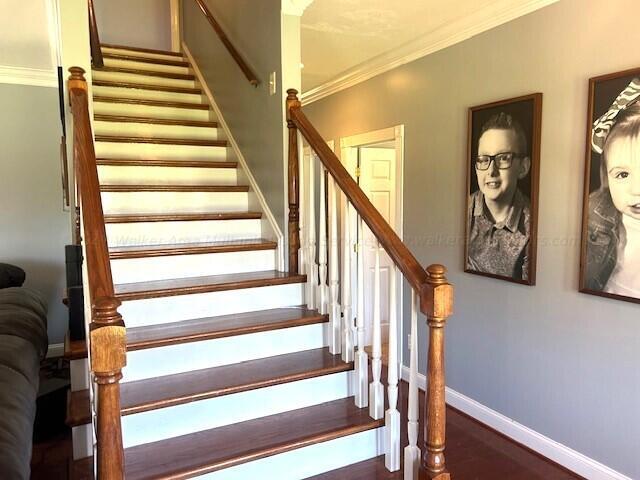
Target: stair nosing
x=177, y=249
x=140, y=49
x=147, y=86
x=160, y=141
x=123, y=162
x=174, y=188
x=148, y=73
x=151, y=103
x=180, y=217
x=155, y=121
x=155, y=61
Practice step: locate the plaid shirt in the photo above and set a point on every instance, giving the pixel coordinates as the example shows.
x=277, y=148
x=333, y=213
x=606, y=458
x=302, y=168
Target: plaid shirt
x=499, y=248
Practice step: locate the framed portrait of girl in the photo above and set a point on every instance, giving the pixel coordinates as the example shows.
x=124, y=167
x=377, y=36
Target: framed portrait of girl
x=610, y=257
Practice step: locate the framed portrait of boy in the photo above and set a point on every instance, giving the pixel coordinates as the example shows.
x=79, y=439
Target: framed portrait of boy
x=610, y=253
x=503, y=159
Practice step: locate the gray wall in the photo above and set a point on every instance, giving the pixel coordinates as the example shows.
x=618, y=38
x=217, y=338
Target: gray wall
x=34, y=229
x=136, y=23
x=563, y=363
x=254, y=117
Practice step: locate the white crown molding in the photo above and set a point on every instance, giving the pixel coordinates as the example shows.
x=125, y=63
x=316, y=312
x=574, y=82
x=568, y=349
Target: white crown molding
x=500, y=12
x=545, y=446
x=295, y=7
x=28, y=76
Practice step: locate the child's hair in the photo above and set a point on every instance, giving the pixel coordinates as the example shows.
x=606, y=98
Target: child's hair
x=504, y=121
x=627, y=126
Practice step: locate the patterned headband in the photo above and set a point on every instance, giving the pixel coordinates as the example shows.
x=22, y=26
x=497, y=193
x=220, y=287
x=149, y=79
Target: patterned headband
x=605, y=123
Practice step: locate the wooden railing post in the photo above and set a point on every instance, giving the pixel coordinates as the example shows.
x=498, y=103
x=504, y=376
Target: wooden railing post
x=94, y=38
x=294, y=184
x=437, y=304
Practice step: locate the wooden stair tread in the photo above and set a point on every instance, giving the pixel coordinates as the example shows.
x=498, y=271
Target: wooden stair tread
x=145, y=86
x=74, y=349
x=141, y=251
x=210, y=283
x=166, y=391
x=151, y=103
x=372, y=469
x=148, y=73
x=155, y=121
x=174, y=188
x=180, y=217
x=139, y=49
x=160, y=141
x=123, y=162
x=157, y=61
x=222, y=447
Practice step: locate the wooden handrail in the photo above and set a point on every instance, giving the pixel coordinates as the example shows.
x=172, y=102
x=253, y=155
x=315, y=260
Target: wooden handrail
x=107, y=330
x=251, y=76
x=94, y=38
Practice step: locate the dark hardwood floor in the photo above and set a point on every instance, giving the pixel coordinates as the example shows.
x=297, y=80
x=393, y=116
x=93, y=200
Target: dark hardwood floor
x=474, y=452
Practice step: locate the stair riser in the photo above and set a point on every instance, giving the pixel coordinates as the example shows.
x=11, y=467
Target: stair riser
x=79, y=373
x=152, y=67
x=174, y=202
x=120, y=92
x=183, y=266
x=117, y=175
x=146, y=130
x=82, y=441
x=185, y=357
x=133, y=53
x=146, y=79
x=171, y=113
x=141, y=151
x=192, y=417
x=162, y=233
x=308, y=461
x=155, y=311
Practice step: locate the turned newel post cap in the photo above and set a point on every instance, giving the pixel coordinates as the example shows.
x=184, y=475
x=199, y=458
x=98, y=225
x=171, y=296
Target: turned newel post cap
x=436, y=298
x=437, y=272
x=292, y=94
x=77, y=73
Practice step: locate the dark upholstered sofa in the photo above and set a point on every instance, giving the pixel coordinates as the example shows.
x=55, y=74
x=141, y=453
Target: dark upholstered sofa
x=23, y=343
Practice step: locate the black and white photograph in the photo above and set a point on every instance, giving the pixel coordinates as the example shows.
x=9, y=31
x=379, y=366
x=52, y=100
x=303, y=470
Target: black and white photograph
x=502, y=189
x=610, y=260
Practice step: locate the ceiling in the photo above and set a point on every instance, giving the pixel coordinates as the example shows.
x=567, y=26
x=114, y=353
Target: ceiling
x=338, y=35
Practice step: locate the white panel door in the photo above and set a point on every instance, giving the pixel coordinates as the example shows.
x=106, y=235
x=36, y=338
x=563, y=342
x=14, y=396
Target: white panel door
x=377, y=180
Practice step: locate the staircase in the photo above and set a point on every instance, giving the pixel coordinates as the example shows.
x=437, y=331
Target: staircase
x=228, y=373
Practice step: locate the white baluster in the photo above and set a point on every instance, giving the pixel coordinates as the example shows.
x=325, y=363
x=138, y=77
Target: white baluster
x=347, y=312
x=302, y=216
x=376, y=390
x=334, y=306
x=362, y=359
x=392, y=417
x=312, y=266
x=322, y=254
x=412, y=451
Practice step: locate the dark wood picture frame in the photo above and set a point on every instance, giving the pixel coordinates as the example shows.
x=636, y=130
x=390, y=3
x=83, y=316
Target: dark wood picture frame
x=532, y=180
x=594, y=111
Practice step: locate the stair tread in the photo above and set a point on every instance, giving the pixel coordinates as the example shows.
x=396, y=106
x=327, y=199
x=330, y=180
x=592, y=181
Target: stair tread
x=123, y=162
x=160, y=140
x=180, y=217
x=156, y=121
x=148, y=73
x=139, y=251
x=135, y=58
x=209, y=283
x=146, y=86
x=151, y=103
x=166, y=391
x=222, y=447
x=174, y=188
x=140, y=49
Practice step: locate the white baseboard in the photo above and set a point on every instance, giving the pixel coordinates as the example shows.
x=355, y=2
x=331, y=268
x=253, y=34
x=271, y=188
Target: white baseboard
x=556, y=452
x=55, y=350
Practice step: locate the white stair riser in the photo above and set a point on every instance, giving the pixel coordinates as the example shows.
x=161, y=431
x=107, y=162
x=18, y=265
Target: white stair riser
x=154, y=311
x=120, y=92
x=135, y=110
x=182, y=266
x=145, y=79
x=134, y=53
x=163, y=423
x=130, y=175
x=130, y=129
x=155, y=151
x=186, y=357
x=152, y=67
x=174, y=202
x=308, y=461
x=82, y=441
x=162, y=233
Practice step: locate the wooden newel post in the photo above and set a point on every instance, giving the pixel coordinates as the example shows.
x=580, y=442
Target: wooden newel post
x=294, y=183
x=437, y=304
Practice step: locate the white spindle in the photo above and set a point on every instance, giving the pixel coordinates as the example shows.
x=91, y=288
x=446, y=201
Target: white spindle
x=334, y=306
x=392, y=417
x=312, y=266
x=362, y=359
x=322, y=244
x=412, y=451
x=347, y=312
x=376, y=390
x=302, y=216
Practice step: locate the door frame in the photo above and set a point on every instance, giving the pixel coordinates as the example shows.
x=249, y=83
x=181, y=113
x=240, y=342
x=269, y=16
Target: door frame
x=349, y=158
